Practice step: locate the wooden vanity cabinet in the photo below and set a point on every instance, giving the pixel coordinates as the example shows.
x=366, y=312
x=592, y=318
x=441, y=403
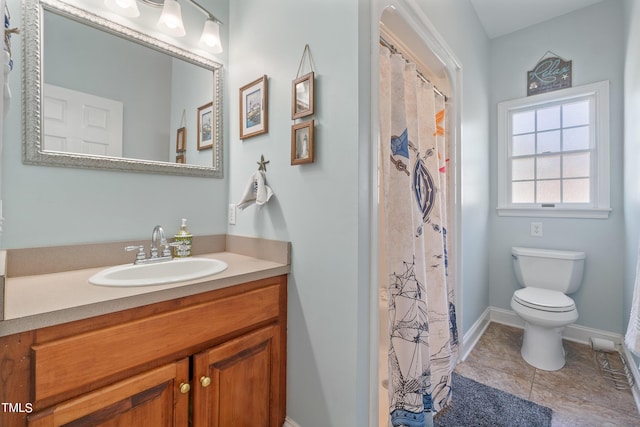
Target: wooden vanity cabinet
x=212, y=359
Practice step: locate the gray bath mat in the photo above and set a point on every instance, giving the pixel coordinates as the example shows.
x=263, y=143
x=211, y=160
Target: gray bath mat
x=478, y=405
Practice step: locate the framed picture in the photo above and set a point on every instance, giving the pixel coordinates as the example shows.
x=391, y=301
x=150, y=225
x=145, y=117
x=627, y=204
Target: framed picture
x=254, y=109
x=180, y=158
x=302, y=96
x=181, y=140
x=302, y=143
x=205, y=126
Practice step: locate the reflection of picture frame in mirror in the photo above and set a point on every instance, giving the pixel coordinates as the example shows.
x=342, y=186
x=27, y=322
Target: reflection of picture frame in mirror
x=302, y=143
x=181, y=158
x=254, y=118
x=181, y=140
x=302, y=96
x=205, y=126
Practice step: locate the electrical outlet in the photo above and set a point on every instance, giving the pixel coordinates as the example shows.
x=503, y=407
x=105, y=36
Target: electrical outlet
x=232, y=214
x=536, y=229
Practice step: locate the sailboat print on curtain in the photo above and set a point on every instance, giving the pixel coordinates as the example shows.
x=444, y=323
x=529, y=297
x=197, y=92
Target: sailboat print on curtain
x=422, y=326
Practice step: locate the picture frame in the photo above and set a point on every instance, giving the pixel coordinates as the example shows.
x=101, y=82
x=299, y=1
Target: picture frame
x=181, y=158
x=302, y=96
x=206, y=123
x=254, y=117
x=302, y=142
x=181, y=140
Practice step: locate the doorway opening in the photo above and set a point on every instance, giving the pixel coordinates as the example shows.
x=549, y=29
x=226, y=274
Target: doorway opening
x=409, y=33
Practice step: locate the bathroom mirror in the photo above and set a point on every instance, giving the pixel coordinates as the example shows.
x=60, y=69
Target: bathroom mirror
x=101, y=95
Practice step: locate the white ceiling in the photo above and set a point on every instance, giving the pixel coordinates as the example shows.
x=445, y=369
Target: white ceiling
x=500, y=17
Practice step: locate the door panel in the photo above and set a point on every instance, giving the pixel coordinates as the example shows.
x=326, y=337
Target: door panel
x=149, y=399
x=78, y=122
x=236, y=383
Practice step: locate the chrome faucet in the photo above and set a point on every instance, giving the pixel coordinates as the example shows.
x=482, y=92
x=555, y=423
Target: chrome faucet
x=158, y=238
x=158, y=233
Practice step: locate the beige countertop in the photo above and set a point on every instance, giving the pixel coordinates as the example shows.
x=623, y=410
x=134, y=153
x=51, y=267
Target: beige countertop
x=40, y=300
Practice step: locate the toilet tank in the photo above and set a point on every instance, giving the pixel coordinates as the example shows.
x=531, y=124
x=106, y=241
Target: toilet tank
x=548, y=268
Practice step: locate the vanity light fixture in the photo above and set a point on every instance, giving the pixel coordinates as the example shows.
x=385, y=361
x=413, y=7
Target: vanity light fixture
x=170, y=20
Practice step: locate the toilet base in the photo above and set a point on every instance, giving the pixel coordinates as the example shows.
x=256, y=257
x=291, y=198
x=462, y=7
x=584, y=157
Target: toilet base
x=542, y=347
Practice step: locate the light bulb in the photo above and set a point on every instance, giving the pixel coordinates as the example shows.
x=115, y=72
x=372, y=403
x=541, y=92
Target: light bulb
x=128, y=8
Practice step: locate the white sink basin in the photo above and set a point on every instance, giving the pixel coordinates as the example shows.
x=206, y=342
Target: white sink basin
x=176, y=270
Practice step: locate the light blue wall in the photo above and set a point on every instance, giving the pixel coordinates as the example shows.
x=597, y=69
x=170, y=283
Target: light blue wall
x=593, y=39
x=315, y=205
x=631, y=152
x=56, y=206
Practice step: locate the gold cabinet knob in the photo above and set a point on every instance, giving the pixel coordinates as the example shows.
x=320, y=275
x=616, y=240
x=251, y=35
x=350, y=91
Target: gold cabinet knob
x=205, y=381
x=184, y=388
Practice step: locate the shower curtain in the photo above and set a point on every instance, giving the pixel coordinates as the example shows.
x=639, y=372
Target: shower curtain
x=422, y=325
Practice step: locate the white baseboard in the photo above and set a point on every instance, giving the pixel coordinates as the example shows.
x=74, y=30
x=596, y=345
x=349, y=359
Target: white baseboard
x=505, y=317
x=472, y=336
x=288, y=422
x=628, y=357
x=576, y=333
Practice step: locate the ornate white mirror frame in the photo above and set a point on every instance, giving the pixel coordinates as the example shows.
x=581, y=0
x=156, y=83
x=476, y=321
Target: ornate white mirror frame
x=32, y=80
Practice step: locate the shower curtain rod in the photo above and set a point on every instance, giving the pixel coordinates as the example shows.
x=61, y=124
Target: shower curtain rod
x=422, y=77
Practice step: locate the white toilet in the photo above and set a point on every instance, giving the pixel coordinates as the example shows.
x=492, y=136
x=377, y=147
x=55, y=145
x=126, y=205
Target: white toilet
x=547, y=276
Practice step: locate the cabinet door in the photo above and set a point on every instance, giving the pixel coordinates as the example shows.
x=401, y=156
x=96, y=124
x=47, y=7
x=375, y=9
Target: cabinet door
x=154, y=398
x=237, y=383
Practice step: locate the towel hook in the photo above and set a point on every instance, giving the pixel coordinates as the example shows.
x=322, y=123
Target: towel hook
x=262, y=164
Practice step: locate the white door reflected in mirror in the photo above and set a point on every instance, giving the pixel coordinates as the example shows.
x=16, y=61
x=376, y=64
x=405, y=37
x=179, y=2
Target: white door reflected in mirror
x=78, y=122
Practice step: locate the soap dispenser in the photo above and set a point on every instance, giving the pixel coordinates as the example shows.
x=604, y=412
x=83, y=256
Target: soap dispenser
x=183, y=239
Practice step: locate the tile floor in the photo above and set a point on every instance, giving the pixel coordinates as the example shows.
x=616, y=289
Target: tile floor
x=578, y=395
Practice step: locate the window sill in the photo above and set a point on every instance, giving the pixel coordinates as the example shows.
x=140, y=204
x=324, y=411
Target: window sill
x=589, y=213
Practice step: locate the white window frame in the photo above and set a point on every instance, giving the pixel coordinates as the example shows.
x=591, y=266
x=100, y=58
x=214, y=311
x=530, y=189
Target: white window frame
x=599, y=207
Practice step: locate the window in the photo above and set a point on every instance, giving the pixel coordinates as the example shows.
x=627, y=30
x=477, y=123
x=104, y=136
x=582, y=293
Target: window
x=553, y=154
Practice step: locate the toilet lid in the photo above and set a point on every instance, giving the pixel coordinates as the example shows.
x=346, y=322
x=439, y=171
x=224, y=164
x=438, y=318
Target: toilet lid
x=544, y=299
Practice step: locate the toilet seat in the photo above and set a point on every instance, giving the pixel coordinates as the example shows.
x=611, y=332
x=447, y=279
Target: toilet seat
x=544, y=300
